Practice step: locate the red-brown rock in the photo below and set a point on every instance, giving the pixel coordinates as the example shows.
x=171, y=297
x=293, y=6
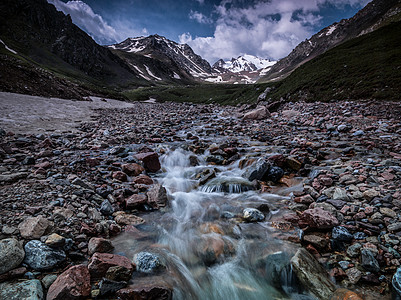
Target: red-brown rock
x=72, y=284
x=135, y=201
x=99, y=245
x=148, y=292
x=344, y=294
x=101, y=262
x=132, y=169
x=121, y=176
x=318, y=218
x=143, y=179
x=157, y=196
x=150, y=161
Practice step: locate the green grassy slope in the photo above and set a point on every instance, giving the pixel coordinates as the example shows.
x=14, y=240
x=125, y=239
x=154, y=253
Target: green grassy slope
x=367, y=67
x=202, y=93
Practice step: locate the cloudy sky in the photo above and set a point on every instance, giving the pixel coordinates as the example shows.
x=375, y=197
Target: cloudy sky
x=213, y=28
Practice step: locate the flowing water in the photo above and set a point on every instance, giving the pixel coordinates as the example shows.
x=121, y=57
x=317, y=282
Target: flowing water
x=208, y=251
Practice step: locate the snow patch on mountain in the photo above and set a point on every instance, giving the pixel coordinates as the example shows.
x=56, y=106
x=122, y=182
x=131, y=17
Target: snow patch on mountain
x=244, y=63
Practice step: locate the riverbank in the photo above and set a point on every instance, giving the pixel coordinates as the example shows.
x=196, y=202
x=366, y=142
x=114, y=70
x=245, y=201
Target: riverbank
x=67, y=187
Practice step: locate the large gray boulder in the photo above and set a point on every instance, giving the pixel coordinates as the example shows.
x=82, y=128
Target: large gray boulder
x=312, y=275
x=27, y=290
x=11, y=254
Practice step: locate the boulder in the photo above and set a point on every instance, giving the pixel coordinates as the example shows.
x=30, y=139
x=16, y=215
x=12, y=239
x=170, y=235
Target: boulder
x=123, y=218
x=33, y=227
x=71, y=284
x=135, y=201
x=142, y=179
x=274, y=174
x=252, y=215
x=132, y=169
x=318, y=218
x=157, y=196
x=100, y=263
x=312, y=275
x=257, y=170
x=40, y=257
x=26, y=290
x=259, y=113
x=11, y=254
x=368, y=261
x=147, y=262
x=99, y=245
x=150, y=161
x=396, y=281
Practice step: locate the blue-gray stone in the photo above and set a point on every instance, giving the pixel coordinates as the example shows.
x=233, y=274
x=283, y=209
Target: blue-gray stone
x=369, y=262
x=106, y=209
x=40, y=257
x=342, y=234
x=147, y=262
x=253, y=215
x=257, y=170
x=274, y=174
x=397, y=282
x=27, y=290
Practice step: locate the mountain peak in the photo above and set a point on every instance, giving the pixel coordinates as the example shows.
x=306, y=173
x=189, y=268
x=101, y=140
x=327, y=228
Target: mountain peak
x=246, y=62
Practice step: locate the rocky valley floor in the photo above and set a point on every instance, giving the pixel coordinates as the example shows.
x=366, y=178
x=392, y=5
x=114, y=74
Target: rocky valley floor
x=75, y=177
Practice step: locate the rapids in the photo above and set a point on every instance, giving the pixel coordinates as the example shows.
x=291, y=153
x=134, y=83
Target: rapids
x=207, y=250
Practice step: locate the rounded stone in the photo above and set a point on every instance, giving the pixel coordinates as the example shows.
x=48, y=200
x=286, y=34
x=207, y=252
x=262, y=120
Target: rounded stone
x=40, y=257
x=11, y=255
x=253, y=215
x=147, y=262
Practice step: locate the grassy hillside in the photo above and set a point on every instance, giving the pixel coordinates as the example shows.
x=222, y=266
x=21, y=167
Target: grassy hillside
x=202, y=93
x=367, y=67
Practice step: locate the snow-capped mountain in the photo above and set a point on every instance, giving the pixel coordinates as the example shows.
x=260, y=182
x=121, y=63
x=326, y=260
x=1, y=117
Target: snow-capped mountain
x=242, y=63
x=163, y=49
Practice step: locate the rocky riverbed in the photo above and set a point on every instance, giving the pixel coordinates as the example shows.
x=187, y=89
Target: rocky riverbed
x=68, y=193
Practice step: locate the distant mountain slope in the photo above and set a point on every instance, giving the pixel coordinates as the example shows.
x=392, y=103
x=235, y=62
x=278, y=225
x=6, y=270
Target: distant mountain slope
x=48, y=38
x=179, y=60
x=377, y=13
x=367, y=67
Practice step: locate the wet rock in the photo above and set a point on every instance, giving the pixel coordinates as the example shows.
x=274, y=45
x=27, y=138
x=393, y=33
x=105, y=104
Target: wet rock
x=99, y=245
x=150, y=161
x=354, y=275
x=344, y=294
x=257, y=170
x=277, y=269
x=216, y=159
x=123, y=218
x=252, y=215
x=396, y=281
x=108, y=286
x=106, y=208
x=258, y=114
x=48, y=280
x=274, y=174
x=316, y=241
x=132, y=169
x=135, y=201
x=342, y=234
x=100, y=263
x=293, y=163
x=33, y=227
x=354, y=250
x=11, y=254
x=118, y=273
x=368, y=261
x=146, y=291
x=147, y=262
x=40, y=257
x=27, y=290
x=319, y=218
x=312, y=275
x=55, y=241
x=142, y=179
x=120, y=176
x=71, y=284
x=228, y=185
x=157, y=196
